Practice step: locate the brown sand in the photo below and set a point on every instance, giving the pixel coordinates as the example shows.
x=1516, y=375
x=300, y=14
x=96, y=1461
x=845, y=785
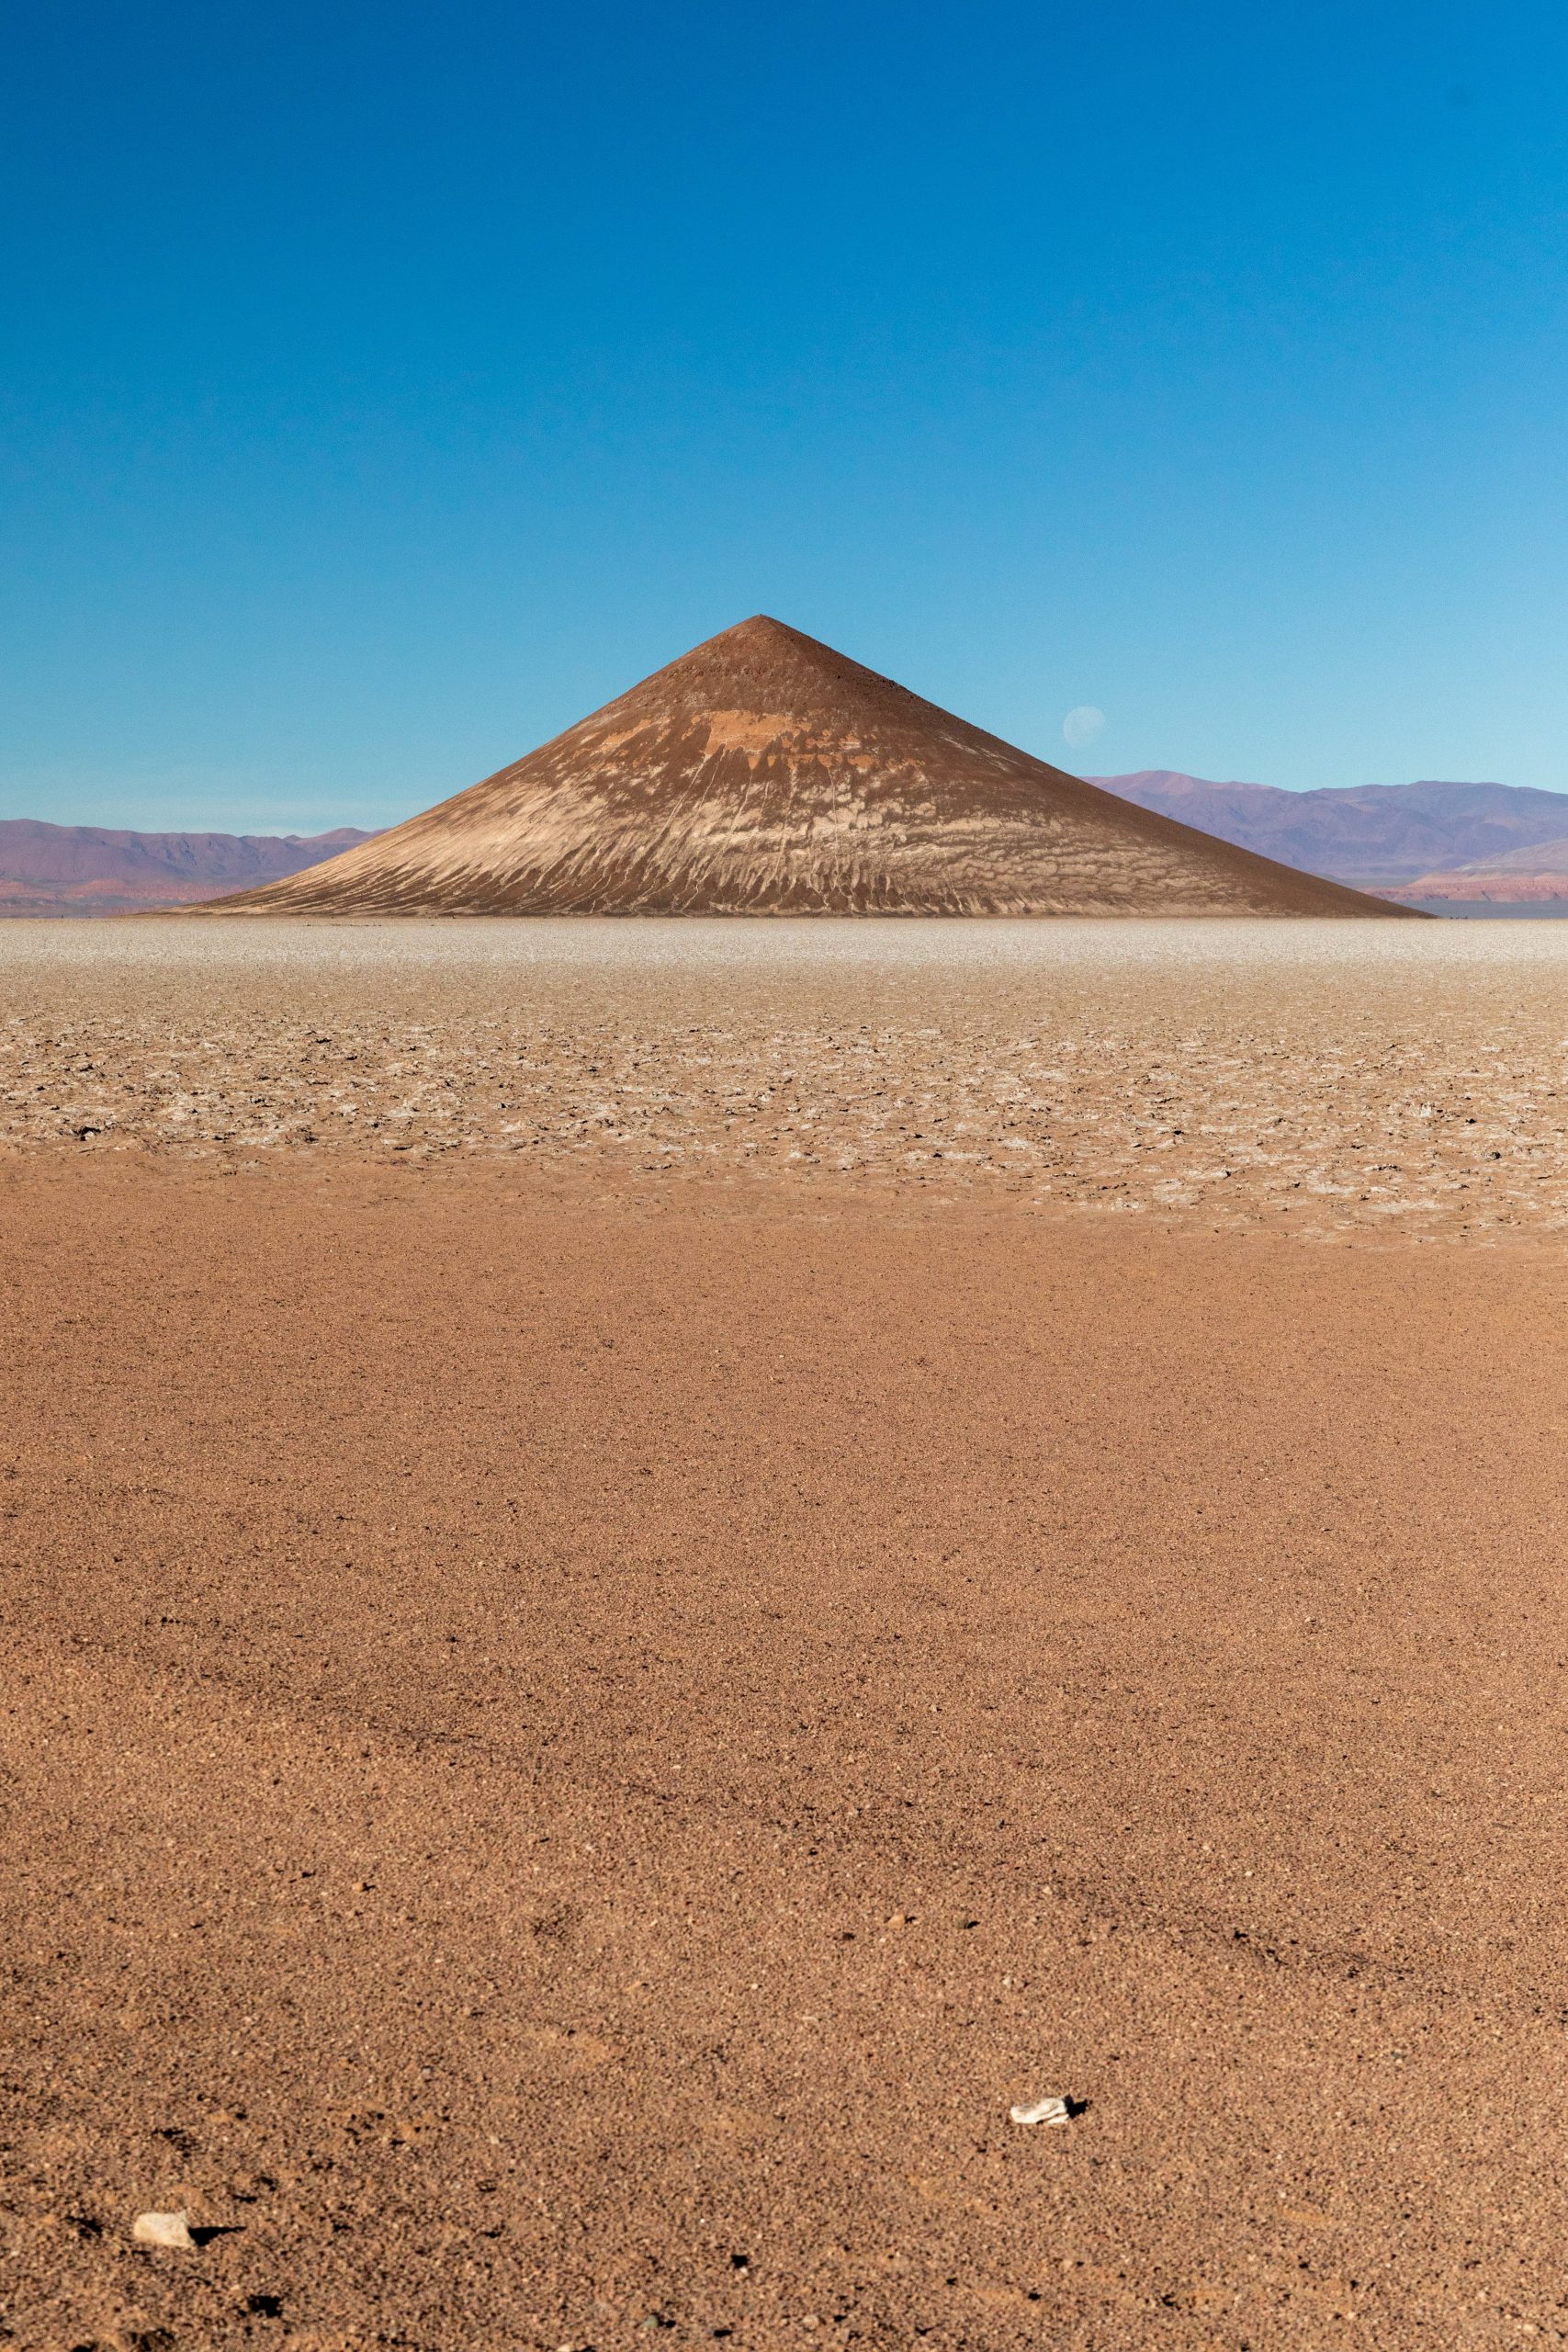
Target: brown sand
x=571, y=1748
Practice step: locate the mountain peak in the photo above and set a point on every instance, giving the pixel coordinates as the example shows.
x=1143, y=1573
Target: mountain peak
x=765, y=773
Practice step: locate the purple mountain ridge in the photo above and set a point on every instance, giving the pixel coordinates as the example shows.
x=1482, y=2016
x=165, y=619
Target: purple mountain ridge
x=1371, y=835
x=87, y=870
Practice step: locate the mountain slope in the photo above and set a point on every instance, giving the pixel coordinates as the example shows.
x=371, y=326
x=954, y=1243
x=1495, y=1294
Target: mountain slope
x=1529, y=876
x=765, y=774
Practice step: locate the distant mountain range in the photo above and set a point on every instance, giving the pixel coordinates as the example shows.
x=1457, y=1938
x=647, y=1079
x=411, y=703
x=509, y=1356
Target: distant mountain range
x=1427, y=842
x=84, y=870
x=1396, y=839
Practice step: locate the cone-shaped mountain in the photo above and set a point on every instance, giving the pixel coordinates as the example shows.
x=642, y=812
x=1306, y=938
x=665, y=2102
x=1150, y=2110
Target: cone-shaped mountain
x=765, y=774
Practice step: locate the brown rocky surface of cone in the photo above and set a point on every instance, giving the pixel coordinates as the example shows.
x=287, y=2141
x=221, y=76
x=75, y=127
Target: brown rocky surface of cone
x=765, y=773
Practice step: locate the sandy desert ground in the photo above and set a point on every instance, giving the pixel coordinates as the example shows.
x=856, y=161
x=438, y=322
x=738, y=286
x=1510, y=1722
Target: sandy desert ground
x=628, y=1613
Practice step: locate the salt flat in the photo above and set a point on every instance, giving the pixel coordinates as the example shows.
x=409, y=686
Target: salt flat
x=1410, y=1077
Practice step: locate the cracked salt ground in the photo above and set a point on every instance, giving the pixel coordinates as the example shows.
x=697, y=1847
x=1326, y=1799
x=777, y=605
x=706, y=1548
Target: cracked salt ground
x=1326, y=1076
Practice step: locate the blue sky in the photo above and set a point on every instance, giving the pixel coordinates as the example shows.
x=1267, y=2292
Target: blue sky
x=384, y=387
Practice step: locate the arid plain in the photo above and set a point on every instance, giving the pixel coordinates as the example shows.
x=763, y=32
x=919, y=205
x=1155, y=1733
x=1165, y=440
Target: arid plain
x=651, y=1567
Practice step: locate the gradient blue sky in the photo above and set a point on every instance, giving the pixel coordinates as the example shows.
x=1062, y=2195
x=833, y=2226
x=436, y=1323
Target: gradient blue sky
x=383, y=387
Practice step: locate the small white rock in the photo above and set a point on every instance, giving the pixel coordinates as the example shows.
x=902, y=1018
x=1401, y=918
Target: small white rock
x=1043, y=2110
x=164, y=2229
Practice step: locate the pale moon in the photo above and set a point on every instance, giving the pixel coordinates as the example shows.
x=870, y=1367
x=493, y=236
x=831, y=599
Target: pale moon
x=1081, y=726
